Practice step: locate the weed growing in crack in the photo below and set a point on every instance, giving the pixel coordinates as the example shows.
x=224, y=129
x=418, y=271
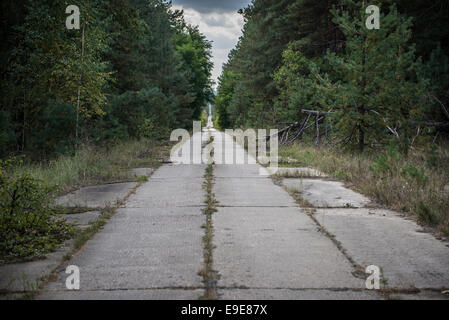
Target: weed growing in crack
x=209, y=275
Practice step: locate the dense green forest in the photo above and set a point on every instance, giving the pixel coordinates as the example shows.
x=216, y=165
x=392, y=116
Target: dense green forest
x=382, y=86
x=134, y=69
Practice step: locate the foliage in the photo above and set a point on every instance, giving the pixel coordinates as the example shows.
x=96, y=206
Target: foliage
x=382, y=85
x=28, y=223
x=56, y=134
x=7, y=136
x=222, y=100
x=204, y=118
x=388, y=162
x=125, y=53
x=376, y=78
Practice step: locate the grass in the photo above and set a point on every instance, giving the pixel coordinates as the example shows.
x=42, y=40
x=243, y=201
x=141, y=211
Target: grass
x=296, y=193
x=95, y=165
x=416, y=184
x=29, y=221
x=209, y=275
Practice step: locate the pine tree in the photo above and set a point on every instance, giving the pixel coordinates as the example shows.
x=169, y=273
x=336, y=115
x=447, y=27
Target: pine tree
x=378, y=89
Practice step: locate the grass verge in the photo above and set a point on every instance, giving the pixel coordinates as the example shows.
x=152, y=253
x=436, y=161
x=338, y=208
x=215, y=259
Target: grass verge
x=417, y=184
x=97, y=165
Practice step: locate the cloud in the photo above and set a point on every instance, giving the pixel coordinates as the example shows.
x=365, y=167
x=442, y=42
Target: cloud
x=219, y=22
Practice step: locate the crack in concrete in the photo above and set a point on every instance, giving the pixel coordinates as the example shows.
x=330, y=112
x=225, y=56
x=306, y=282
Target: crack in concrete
x=192, y=288
x=252, y=206
x=358, y=270
x=210, y=276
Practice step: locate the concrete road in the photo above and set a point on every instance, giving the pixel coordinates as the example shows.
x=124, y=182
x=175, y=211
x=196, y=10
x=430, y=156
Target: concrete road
x=266, y=245
x=151, y=248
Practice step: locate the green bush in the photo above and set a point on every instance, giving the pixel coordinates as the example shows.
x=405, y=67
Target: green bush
x=418, y=175
x=425, y=213
x=387, y=164
x=29, y=226
x=432, y=159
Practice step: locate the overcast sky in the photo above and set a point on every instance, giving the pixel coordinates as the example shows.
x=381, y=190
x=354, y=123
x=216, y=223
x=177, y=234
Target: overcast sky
x=219, y=21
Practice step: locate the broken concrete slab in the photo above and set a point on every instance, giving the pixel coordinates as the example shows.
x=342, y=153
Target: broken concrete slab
x=421, y=295
x=323, y=193
x=276, y=248
x=150, y=294
x=296, y=172
x=137, y=172
x=96, y=196
x=294, y=294
x=407, y=256
x=81, y=219
x=26, y=276
x=367, y=212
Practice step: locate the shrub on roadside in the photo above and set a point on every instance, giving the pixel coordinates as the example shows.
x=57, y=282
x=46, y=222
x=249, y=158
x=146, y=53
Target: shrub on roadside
x=29, y=226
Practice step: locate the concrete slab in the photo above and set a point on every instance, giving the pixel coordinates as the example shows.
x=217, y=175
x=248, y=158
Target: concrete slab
x=422, y=295
x=292, y=294
x=81, y=219
x=190, y=151
x=141, y=172
x=321, y=193
x=179, y=171
x=151, y=294
x=253, y=192
x=142, y=249
x=168, y=192
x=296, y=172
x=237, y=171
x=229, y=152
x=407, y=256
x=276, y=248
x=96, y=196
x=25, y=276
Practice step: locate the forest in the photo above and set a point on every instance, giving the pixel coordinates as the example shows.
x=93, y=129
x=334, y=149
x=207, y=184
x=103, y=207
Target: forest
x=134, y=69
x=319, y=55
x=385, y=93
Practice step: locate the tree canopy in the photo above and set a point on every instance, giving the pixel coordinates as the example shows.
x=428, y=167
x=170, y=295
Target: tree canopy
x=134, y=68
x=380, y=84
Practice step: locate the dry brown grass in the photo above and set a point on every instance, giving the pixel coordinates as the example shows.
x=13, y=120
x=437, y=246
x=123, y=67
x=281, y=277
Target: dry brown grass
x=417, y=184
